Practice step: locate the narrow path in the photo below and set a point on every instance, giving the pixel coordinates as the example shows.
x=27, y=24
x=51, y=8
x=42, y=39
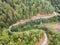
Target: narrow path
x=44, y=16
x=45, y=40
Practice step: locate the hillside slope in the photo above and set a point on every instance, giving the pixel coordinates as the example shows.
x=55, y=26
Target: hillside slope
x=14, y=10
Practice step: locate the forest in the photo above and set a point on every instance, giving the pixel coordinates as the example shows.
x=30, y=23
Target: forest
x=25, y=22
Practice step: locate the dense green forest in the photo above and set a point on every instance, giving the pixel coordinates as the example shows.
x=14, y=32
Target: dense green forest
x=14, y=10
x=30, y=33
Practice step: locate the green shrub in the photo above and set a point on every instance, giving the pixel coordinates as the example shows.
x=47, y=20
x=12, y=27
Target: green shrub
x=53, y=37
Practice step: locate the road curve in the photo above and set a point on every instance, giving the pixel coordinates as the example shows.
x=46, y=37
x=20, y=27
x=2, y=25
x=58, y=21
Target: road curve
x=45, y=40
x=9, y=29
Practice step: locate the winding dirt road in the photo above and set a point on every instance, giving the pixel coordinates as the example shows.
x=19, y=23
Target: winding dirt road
x=33, y=18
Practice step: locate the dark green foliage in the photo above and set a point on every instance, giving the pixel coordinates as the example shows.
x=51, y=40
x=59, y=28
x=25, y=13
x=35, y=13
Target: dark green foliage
x=53, y=37
x=56, y=5
x=15, y=10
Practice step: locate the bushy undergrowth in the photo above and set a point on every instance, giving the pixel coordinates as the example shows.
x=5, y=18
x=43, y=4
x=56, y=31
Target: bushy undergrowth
x=54, y=37
x=30, y=37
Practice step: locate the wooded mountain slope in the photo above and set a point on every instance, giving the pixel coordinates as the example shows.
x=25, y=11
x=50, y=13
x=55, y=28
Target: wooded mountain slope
x=14, y=10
